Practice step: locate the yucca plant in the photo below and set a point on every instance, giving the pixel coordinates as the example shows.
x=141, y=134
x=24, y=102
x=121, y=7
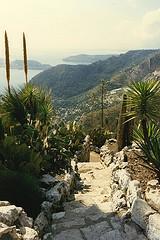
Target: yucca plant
x=143, y=103
x=7, y=61
x=151, y=150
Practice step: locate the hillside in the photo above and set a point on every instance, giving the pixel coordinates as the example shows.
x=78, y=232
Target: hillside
x=77, y=89
x=86, y=58
x=71, y=80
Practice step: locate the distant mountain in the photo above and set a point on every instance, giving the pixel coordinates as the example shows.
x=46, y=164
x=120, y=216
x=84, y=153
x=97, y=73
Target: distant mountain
x=85, y=58
x=32, y=64
x=68, y=81
x=77, y=88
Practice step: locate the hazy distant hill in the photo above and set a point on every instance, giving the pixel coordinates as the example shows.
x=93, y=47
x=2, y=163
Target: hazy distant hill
x=32, y=64
x=71, y=80
x=85, y=58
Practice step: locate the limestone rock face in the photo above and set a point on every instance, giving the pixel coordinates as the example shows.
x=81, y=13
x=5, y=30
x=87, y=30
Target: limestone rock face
x=133, y=192
x=140, y=212
x=153, y=230
x=29, y=234
x=25, y=220
x=15, y=224
x=152, y=194
x=48, y=180
x=41, y=222
x=9, y=214
x=123, y=178
x=53, y=195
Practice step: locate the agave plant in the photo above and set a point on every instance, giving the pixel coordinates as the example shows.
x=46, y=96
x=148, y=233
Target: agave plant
x=7, y=61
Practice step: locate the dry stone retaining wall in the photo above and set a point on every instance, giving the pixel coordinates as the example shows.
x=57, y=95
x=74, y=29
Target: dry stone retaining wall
x=144, y=209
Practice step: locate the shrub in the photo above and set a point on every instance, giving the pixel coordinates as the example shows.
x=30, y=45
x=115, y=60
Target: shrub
x=22, y=190
x=99, y=137
x=151, y=149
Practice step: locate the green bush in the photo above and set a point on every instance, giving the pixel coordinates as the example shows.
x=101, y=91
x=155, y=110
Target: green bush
x=99, y=137
x=22, y=190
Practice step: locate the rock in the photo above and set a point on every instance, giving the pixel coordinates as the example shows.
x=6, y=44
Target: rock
x=46, y=207
x=133, y=192
x=153, y=231
x=41, y=222
x=96, y=231
x=152, y=194
x=123, y=178
x=59, y=215
x=111, y=235
x=108, y=159
x=29, y=234
x=53, y=195
x=75, y=223
x=48, y=180
x=72, y=234
x=48, y=236
x=140, y=212
x=25, y=221
x=5, y=230
x=9, y=214
x=4, y=203
x=119, y=200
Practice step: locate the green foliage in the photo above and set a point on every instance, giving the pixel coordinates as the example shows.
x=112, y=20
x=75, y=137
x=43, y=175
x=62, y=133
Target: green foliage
x=151, y=150
x=99, y=136
x=19, y=157
x=144, y=100
x=20, y=189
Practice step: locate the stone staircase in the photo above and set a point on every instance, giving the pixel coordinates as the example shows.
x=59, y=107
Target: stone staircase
x=90, y=215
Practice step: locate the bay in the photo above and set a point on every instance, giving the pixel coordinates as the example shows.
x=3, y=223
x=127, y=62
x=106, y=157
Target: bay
x=17, y=78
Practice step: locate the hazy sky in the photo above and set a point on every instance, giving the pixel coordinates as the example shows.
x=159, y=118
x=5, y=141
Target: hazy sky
x=55, y=27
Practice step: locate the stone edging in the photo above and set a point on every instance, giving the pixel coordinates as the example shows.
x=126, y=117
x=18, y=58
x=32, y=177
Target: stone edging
x=144, y=209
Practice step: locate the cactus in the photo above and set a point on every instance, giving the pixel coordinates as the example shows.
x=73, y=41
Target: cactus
x=124, y=130
x=7, y=61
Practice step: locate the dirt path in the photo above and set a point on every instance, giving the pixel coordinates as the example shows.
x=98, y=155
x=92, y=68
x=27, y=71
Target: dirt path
x=90, y=215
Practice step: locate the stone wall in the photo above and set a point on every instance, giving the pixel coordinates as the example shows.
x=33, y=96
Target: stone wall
x=127, y=196
x=56, y=191
x=14, y=223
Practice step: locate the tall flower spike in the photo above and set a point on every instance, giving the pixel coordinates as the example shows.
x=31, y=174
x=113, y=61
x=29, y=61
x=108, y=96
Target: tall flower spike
x=25, y=58
x=7, y=61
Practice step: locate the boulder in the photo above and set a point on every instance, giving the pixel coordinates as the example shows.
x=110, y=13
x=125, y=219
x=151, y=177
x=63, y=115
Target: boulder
x=140, y=212
x=9, y=214
x=153, y=231
x=29, y=234
x=5, y=230
x=152, y=194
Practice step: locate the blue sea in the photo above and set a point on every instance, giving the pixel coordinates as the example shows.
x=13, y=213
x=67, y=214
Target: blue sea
x=17, y=78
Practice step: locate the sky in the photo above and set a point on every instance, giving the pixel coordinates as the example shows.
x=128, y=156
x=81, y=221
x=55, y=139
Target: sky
x=56, y=28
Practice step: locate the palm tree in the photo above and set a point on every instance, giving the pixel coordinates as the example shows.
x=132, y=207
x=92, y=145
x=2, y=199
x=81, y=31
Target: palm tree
x=143, y=102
